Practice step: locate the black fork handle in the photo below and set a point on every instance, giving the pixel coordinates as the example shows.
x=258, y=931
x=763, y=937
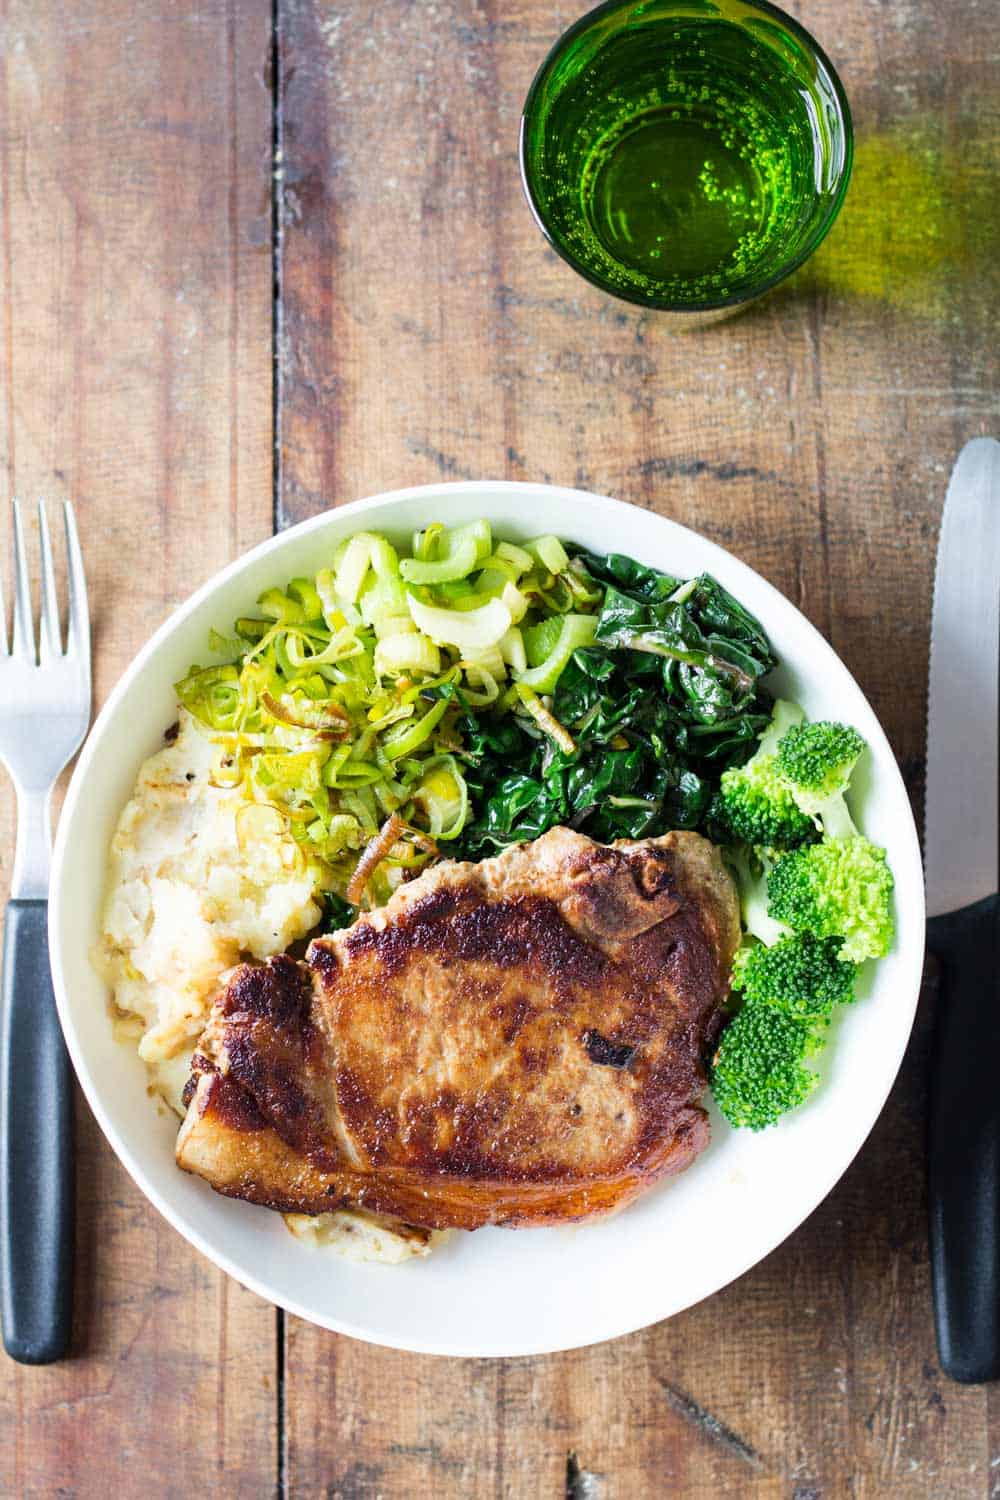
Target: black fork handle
x=36, y=1148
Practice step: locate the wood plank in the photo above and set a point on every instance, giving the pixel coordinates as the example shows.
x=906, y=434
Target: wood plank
x=135, y=318
x=429, y=333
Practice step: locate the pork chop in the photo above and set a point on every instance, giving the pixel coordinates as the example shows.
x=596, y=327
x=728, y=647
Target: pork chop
x=519, y=1041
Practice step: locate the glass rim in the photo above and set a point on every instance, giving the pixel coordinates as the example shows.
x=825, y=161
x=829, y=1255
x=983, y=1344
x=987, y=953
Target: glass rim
x=718, y=304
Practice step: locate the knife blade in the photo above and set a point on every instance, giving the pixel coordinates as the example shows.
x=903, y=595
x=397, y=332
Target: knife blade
x=961, y=858
x=962, y=869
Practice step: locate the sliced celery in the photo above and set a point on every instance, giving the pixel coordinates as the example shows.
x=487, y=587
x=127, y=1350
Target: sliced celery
x=470, y=630
x=490, y=659
x=540, y=640
x=515, y=601
x=550, y=552
x=458, y=562
x=574, y=631
x=381, y=598
x=464, y=549
x=521, y=559
x=411, y=652
x=363, y=552
x=512, y=649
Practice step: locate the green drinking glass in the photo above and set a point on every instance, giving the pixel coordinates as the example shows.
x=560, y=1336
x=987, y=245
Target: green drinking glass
x=686, y=154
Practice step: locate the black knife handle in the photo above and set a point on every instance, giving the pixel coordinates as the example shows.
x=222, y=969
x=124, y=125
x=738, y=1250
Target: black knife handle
x=36, y=1148
x=964, y=1142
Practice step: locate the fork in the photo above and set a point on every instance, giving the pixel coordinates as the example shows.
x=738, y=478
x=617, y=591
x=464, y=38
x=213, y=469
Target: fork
x=44, y=713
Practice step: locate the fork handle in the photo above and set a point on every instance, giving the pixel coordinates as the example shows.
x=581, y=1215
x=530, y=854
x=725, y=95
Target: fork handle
x=36, y=1148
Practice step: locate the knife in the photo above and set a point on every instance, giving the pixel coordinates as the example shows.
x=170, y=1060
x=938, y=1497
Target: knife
x=962, y=870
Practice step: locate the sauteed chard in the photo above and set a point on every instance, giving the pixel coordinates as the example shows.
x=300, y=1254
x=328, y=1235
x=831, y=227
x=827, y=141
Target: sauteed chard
x=665, y=699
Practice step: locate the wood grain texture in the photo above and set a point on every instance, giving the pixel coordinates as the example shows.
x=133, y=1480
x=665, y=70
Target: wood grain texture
x=426, y=332
x=135, y=356
x=429, y=333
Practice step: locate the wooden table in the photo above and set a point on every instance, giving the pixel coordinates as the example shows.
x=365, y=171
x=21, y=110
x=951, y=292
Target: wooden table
x=257, y=260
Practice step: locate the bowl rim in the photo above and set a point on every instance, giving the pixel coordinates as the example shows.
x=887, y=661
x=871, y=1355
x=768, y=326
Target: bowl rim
x=59, y=896
x=719, y=305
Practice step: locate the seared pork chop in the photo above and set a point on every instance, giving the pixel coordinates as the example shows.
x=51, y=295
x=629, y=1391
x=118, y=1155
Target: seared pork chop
x=518, y=1041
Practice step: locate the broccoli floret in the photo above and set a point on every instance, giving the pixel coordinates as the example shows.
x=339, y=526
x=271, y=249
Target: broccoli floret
x=789, y=991
x=816, y=761
x=754, y=805
x=759, y=1070
x=839, y=888
x=801, y=976
x=751, y=869
x=819, y=758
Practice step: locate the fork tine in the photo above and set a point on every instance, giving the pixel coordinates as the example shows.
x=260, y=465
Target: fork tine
x=23, y=644
x=78, y=635
x=49, y=639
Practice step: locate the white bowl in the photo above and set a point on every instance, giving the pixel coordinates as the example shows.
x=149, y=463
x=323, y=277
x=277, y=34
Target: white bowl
x=495, y=1292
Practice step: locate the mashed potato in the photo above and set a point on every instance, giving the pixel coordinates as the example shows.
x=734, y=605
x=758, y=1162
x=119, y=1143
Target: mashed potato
x=356, y=1235
x=199, y=881
x=186, y=903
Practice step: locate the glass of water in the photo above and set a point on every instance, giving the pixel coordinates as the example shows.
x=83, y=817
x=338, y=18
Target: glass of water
x=686, y=154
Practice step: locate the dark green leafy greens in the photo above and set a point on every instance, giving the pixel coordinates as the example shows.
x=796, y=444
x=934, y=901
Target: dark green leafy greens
x=667, y=698
x=337, y=912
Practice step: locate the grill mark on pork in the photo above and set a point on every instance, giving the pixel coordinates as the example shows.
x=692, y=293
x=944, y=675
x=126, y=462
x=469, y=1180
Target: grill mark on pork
x=519, y=1041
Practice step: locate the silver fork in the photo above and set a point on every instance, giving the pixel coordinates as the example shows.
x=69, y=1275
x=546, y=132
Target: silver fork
x=44, y=713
